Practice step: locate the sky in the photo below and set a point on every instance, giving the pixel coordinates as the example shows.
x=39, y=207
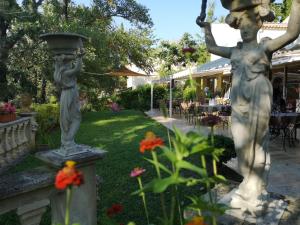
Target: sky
x=172, y=18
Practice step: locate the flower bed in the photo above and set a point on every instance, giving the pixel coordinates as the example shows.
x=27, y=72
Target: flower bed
x=7, y=113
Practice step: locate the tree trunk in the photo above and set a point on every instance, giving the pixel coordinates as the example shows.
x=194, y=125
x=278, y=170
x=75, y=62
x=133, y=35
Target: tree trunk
x=43, y=91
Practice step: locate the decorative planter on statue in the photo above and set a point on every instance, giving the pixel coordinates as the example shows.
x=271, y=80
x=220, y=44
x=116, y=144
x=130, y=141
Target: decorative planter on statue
x=251, y=93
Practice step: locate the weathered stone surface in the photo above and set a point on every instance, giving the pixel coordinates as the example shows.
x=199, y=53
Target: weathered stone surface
x=274, y=211
x=54, y=159
x=251, y=94
x=23, y=188
x=68, y=52
x=17, y=138
x=84, y=200
x=32, y=213
x=23, y=182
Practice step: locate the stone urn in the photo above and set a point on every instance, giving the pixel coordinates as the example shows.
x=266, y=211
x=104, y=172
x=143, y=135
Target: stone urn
x=63, y=43
x=25, y=102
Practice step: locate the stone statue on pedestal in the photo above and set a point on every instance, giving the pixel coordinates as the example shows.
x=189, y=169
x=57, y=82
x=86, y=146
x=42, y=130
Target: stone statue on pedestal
x=251, y=95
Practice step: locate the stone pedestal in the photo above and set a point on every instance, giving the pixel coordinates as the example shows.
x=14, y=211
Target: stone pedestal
x=272, y=215
x=31, y=214
x=83, y=203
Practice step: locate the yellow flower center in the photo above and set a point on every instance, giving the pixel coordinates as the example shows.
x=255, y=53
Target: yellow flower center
x=70, y=163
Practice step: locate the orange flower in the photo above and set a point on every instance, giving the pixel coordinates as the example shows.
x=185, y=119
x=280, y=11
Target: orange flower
x=68, y=176
x=197, y=220
x=150, y=142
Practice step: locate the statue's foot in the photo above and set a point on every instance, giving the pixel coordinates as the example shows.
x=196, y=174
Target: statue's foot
x=255, y=206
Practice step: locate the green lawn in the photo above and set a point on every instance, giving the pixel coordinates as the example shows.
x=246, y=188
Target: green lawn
x=119, y=134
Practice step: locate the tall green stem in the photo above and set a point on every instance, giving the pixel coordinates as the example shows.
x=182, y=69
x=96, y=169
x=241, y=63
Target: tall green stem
x=143, y=198
x=212, y=135
x=162, y=197
x=68, y=205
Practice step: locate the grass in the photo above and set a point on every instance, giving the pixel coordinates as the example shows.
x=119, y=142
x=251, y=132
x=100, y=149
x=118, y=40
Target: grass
x=119, y=134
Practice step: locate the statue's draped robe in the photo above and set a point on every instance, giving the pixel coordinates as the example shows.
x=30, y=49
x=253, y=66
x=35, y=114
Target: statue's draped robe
x=66, y=78
x=251, y=100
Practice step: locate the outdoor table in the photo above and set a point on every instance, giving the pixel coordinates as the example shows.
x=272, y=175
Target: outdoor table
x=285, y=114
x=213, y=108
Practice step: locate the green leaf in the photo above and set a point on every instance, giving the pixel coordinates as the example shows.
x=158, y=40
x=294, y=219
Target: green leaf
x=186, y=165
x=169, y=154
x=161, y=166
x=160, y=185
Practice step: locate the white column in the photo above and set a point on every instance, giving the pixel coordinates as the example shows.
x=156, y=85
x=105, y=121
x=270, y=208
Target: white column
x=151, y=107
x=170, y=103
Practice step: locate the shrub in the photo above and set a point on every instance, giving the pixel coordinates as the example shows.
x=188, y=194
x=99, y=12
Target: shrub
x=140, y=98
x=227, y=144
x=47, y=116
x=189, y=93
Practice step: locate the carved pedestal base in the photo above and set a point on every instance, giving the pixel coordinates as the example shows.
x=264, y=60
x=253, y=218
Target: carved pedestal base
x=83, y=203
x=267, y=211
x=31, y=214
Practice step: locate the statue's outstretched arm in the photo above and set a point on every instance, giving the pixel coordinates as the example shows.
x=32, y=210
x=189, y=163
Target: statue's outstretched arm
x=292, y=32
x=211, y=44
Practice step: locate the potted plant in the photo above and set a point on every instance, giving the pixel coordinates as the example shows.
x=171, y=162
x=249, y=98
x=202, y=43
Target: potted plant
x=7, y=112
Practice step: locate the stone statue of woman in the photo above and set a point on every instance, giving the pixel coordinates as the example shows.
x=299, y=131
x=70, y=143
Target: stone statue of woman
x=251, y=95
x=67, y=68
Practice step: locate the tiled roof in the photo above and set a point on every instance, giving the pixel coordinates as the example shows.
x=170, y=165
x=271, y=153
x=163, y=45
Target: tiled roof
x=274, y=26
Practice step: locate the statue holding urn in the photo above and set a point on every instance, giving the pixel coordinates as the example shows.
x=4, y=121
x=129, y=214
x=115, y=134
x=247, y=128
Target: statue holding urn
x=251, y=95
x=67, y=49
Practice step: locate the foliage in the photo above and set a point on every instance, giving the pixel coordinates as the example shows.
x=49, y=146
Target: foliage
x=47, y=117
x=282, y=10
x=171, y=58
x=140, y=98
x=15, y=22
x=109, y=47
x=172, y=174
x=189, y=93
x=228, y=145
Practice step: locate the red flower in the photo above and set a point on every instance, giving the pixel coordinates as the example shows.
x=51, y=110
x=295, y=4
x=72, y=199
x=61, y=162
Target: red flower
x=211, y=120
x=68, y=176
x=114, y=210
x=150, y=142
x=136, y=172
x=198, y=220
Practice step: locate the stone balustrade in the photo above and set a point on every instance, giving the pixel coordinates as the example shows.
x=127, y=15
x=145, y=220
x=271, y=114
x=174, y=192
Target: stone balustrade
x=16, y=140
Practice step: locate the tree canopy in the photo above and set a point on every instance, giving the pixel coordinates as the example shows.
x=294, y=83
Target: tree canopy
x=28, y=65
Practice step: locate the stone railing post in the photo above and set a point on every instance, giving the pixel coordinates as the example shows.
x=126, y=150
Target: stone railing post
x=84, y=200
x=31, y=214
x=14, y=140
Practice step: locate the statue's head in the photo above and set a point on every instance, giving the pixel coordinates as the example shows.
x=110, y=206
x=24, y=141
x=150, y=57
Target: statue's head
x=248, y=15
x=247, y=21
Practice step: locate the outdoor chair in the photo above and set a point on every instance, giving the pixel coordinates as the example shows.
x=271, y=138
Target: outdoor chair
x=191, y=113
x=297, y=126
x=284, y=127
x=184, y=109
x=200, y=113
x=225, y=114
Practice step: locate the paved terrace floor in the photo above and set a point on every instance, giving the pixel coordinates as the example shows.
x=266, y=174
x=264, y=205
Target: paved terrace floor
x=284, y=175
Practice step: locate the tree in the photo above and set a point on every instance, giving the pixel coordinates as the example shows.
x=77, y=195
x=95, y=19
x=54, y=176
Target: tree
x=109, y=47
x=15, y=21
x=171, y=57
x=282, y=10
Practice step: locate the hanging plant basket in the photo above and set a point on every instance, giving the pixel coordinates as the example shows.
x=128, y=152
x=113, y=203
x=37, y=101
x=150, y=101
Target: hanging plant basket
x=5, y=118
